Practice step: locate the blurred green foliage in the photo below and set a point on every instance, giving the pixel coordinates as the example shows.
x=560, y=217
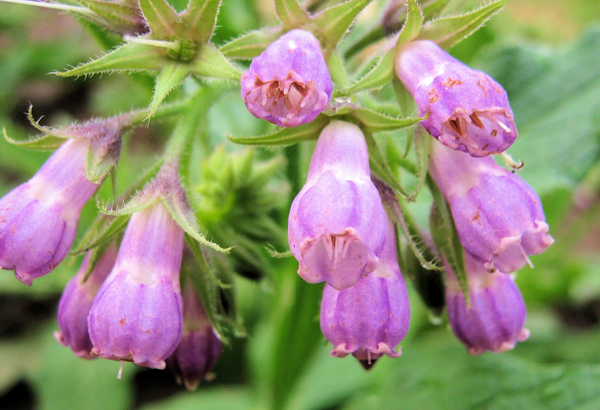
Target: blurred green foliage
x=544, y=52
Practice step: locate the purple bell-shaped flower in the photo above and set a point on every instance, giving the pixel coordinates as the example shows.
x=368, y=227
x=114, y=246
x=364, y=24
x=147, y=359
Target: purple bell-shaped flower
x=76, y=301
x=466, y=109
x=38, y=219
x=200, y=346
x=372, y=317
x=337, y=223
x=498, y=217
x=137, y=313
x=494, y=319
x=289, y=83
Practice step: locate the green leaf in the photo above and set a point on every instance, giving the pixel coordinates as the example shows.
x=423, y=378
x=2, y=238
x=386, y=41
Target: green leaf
x=335, y=64
x=127, y=57
x=170, y=76
x=403, y=97
x=104, y=229
x=219, y=264
x=20, y=163
x=412, y=24
x=187, y=221
x=200, y=19
x=327, y=382
x=381, y=74
x=380, y=167
x=449, y=31
x=215, y=398
x=163, y=20
x=251, y=44
x=331, y=24
x=430, y=9
x=291, y=14
x=491, y=382
x=210, y=62
x=428, y=282
x=136, y=204
x=95, y=255
x=102, y=157
x=383, y=71
x=288, y=135
x=207, y=285
x=422, y=144
x=402, y=219
x=247, y=253
x=42, y=142
x=375, y=122
x=446, y=239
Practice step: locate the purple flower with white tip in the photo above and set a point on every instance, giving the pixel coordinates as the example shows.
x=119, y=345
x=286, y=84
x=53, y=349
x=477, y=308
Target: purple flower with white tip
x=137, y=313
x=289, y=83
x=337, y=224
x=372, y=317
x=498, y=217
x=495, y=317
x=466, y=109
x=76, y=301
x=200, y=346
x=38, y=219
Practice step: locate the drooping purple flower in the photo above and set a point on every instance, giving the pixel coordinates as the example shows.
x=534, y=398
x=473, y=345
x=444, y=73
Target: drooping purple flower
x=498, y=217
x=200, y=346
x=38, y=219
x=337, y=225
x=289, y=83
x=494, y=320
x=76, y=301
x=137, y=313
x=372, y=317
x=466, y=109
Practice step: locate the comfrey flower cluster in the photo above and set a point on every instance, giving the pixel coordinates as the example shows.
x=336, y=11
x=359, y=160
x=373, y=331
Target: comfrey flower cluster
x=339, y=234
x=498, y=217
x=128, y=306
x=136, y=299
x=337, y=224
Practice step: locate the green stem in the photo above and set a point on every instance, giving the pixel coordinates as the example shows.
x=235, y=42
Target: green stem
x=64, y=7
x=192, y=124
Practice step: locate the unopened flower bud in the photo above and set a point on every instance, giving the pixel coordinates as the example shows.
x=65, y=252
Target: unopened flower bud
x=200, y=346
x=499, y=218
x=496, y=313
x=466, y=109
x=137, y=313
x=372, y=317
x=289, y=83
x=337, y=224
x=38, y=219
x=76, y=301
